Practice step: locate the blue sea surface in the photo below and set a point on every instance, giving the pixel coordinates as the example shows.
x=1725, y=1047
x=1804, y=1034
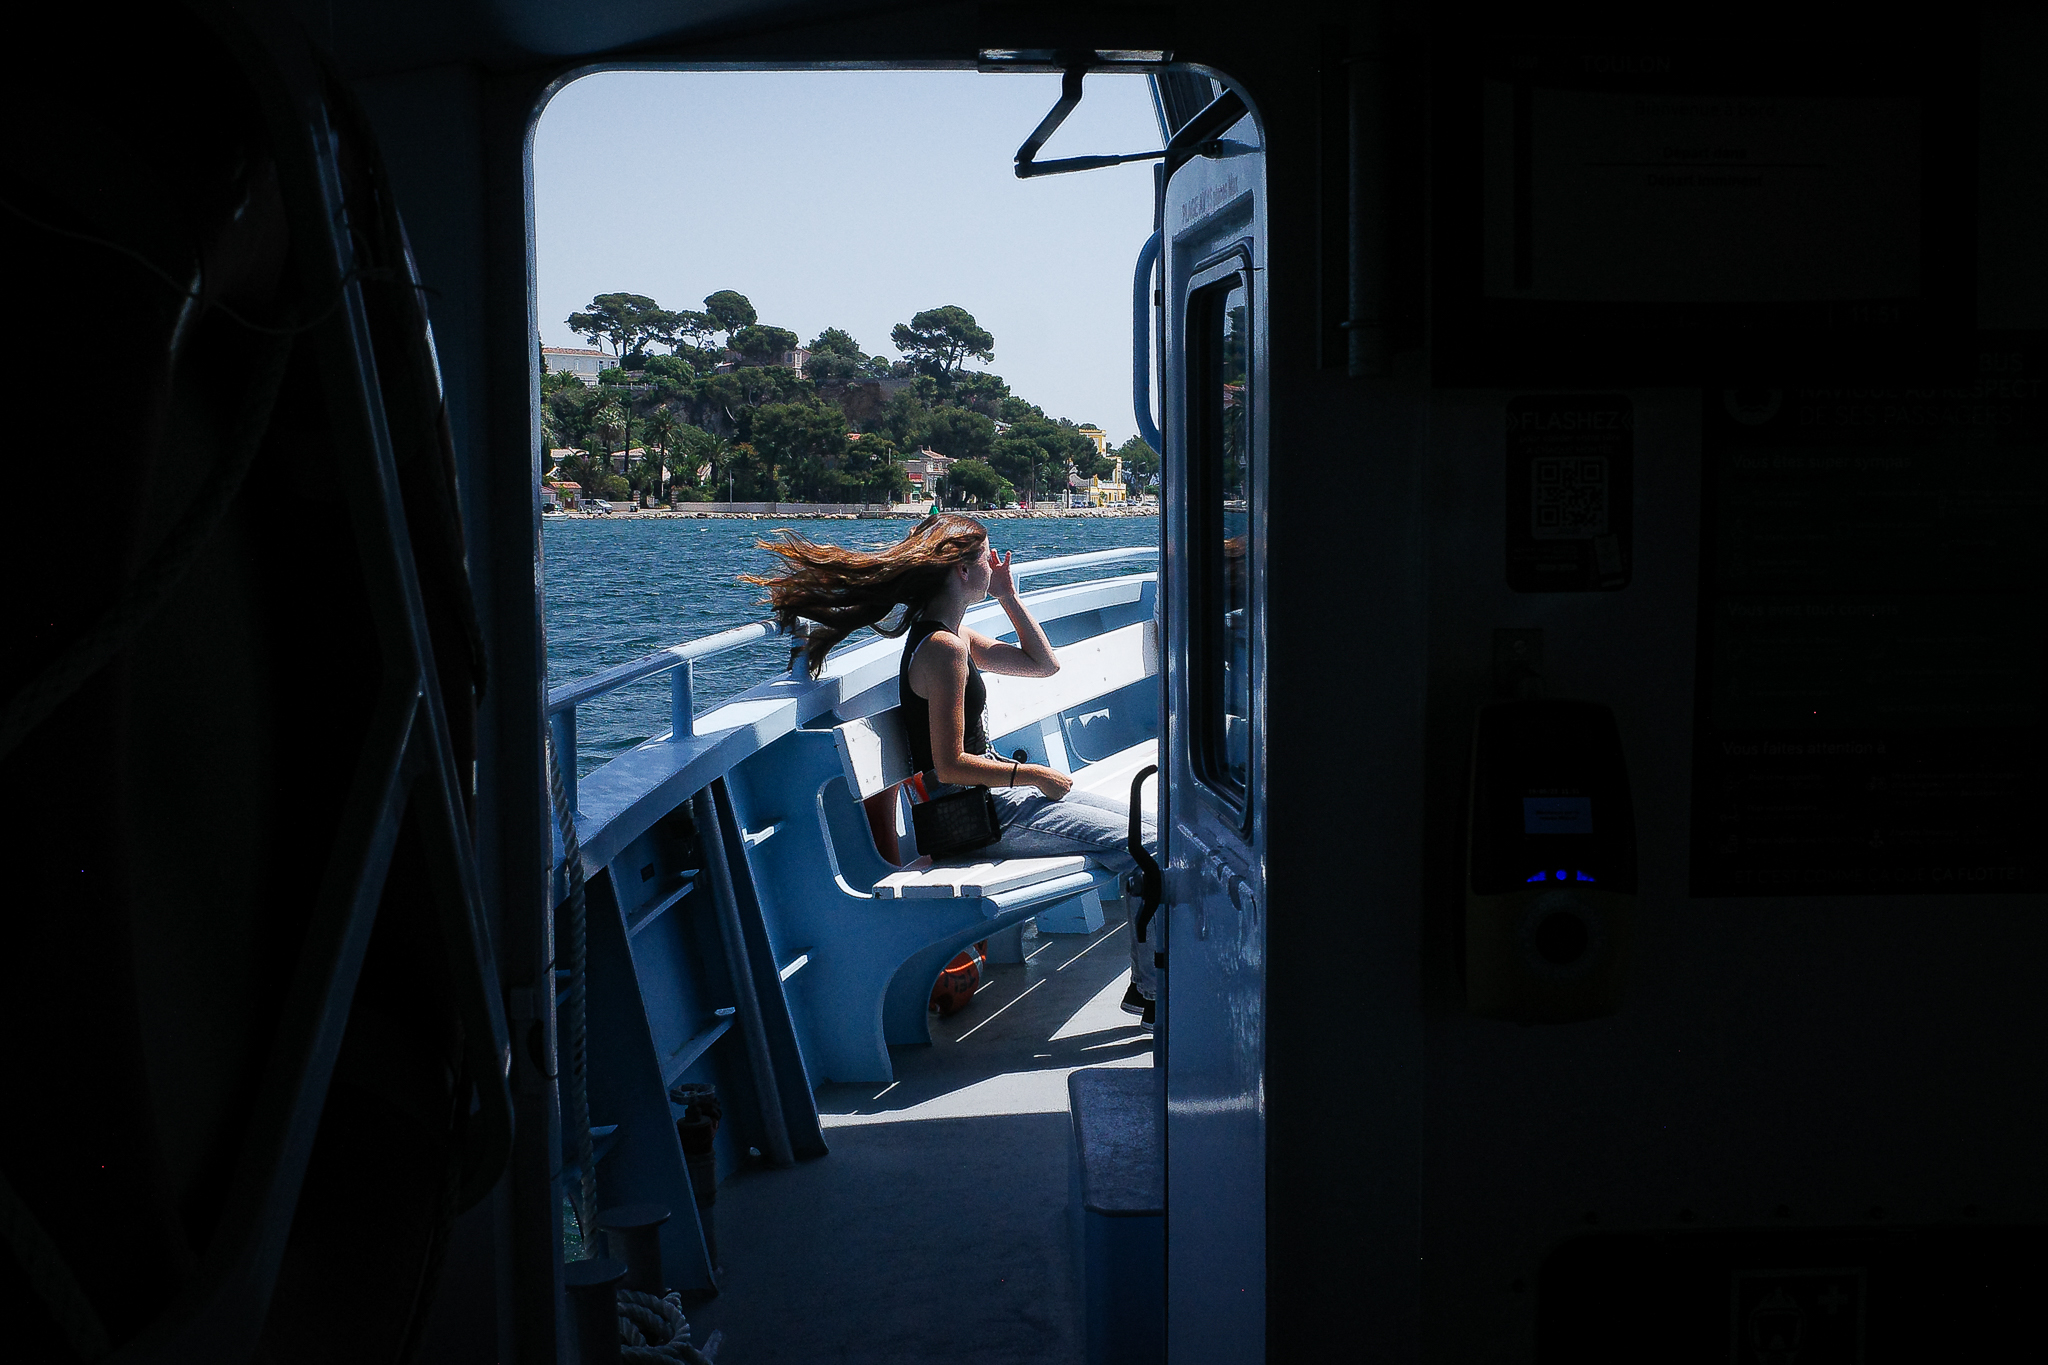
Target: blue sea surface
x=619, y=587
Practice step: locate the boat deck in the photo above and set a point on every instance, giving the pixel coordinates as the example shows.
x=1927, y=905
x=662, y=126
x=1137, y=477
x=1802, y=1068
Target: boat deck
x=937, y=1228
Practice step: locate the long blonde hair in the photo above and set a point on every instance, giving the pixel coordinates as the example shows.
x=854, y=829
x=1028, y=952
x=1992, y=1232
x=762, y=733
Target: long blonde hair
x=842, y=590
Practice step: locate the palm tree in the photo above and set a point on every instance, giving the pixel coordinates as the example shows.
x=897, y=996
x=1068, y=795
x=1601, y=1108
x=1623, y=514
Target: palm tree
x=721, y=453
x=550, y=428
x=611, y=423
x=691, y=449
x=661, y=431
x=586, y=471
x=648, y=471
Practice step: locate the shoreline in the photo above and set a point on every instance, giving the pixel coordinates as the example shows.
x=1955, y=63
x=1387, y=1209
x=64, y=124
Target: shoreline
x=994, y=514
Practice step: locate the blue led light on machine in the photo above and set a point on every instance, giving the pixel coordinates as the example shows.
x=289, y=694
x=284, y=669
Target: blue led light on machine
x=1576, y=876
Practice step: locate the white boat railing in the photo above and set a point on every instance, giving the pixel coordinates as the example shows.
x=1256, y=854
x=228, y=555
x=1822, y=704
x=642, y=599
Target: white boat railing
x=678, y=661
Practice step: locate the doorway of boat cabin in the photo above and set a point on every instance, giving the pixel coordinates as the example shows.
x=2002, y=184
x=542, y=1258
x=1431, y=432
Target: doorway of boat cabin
x=880, y=335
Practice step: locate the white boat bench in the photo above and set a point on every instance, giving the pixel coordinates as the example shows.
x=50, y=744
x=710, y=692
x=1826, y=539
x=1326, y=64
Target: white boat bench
x=875, y=754
x=875, y=757
x=860, y=935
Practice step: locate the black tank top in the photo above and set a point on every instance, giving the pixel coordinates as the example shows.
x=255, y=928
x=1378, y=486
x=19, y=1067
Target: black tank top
x=917, y=712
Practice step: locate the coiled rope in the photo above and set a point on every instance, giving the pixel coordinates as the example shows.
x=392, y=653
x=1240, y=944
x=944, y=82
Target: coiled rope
x=575, y=1016
x=655, y=1332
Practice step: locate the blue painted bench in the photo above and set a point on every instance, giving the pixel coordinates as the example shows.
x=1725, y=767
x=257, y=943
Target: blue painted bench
x=858, y=968
x=859, y=936
x=1063, y=894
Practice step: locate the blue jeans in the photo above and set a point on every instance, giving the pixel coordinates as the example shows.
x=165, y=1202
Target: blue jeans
x=1035, y=826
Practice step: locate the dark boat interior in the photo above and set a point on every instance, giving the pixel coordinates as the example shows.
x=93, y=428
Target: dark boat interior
x=1640, y=465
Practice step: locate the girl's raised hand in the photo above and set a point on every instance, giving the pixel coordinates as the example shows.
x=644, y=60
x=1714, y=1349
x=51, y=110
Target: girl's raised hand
x=1000, y=584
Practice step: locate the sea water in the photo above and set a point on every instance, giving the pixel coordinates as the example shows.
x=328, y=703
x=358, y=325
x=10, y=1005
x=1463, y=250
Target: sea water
x=620, y=587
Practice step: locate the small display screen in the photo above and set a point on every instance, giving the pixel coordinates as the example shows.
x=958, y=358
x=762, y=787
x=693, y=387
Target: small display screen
x=1557, y=815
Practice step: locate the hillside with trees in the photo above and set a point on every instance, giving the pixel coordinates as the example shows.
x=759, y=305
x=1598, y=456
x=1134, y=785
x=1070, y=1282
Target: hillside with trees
x=709, y=398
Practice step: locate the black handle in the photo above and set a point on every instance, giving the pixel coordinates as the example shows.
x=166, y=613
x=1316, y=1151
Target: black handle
x=1148, y=870
x=1028, y=164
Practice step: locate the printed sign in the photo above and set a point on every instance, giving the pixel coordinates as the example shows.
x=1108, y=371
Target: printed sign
x=1874, y=580
x=1569, y=479
x=1624, y=196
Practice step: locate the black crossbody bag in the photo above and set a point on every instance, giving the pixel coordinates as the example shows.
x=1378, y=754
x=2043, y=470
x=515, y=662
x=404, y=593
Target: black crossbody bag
x=956, y=822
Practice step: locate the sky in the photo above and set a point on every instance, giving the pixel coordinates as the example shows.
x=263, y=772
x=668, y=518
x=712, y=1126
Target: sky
x=855, y=199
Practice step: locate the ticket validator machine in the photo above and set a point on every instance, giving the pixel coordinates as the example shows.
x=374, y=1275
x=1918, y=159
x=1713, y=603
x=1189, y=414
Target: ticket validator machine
x=1551, y=863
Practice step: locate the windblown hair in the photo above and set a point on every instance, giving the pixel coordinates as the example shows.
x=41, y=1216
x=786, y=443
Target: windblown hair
x=842, y=590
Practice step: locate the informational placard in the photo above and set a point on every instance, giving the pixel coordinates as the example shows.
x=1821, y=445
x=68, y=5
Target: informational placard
x=1635, y=210
x=1570, y=492
x=1620, y=196
x=1874, y=599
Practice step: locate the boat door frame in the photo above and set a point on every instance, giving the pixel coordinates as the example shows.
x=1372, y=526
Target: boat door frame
x=1212, y=1036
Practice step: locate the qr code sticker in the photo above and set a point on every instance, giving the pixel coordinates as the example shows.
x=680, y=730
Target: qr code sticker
x=1568, y=497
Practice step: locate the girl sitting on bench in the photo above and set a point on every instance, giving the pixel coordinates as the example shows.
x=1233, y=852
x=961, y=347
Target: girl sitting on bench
x=934, y=574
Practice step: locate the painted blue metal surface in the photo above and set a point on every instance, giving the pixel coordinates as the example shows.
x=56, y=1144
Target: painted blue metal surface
x=1141, y=342
x=661, y=661
x=624, y=798
x=1117, y=1198
x=871, y=962
x=1213, y=1023
x=676, y=661
x=784, y=971
x=786, y=1068
x=644, y=1162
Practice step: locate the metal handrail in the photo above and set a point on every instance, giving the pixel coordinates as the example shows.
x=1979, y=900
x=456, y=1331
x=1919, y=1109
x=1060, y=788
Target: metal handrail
x=678, y=662
x=661, y=661
x=1141, y=342
x=1087, y=558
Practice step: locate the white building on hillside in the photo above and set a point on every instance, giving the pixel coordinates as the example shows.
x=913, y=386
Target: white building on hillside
x=580, y=361
x=925, y=471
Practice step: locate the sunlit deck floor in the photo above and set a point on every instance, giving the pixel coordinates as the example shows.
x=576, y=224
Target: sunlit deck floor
x=937, y=1228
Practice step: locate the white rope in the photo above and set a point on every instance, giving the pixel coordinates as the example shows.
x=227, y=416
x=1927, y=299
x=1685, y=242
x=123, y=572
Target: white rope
x=655, y=1332
x=576, y=1017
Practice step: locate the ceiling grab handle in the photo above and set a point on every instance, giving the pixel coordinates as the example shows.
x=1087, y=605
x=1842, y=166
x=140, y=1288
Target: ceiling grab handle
x=1141, y=344
x=1070, y=95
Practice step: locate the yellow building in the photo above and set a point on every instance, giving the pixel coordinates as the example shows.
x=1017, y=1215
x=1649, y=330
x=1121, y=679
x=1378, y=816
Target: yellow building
x=1099, y=436
x=1102, y=492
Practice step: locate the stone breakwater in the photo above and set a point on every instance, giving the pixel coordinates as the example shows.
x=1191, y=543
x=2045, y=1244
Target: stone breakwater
x=687, y=513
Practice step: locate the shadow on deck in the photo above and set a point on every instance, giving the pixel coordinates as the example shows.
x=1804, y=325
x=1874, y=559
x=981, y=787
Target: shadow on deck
x=937, y=1228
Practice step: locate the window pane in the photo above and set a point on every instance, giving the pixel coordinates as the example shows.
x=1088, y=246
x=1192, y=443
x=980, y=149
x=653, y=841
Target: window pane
x=1226, y=488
